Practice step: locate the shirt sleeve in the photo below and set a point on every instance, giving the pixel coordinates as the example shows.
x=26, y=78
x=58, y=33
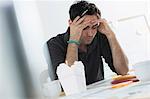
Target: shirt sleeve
x=57, y=54
x=106, y=52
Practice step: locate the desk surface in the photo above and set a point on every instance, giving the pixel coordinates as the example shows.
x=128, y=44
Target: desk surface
x=103, y=90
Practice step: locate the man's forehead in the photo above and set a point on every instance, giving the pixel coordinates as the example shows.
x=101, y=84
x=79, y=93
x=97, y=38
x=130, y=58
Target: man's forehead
x=90, y=18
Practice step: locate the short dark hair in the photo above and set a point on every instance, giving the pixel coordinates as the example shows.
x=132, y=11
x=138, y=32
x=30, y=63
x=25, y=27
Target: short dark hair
x=79, y=7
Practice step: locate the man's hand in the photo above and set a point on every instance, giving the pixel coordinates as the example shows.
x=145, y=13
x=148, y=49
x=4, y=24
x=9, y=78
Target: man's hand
x=77, y=26
x=104, y=28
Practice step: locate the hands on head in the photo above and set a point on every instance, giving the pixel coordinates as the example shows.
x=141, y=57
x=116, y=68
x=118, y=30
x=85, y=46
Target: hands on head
x=79, y=24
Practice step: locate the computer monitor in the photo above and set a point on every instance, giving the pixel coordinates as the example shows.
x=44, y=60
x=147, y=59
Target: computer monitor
x=15, y=78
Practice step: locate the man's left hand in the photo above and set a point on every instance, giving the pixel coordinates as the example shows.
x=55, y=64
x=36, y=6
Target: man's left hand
x=104, y=28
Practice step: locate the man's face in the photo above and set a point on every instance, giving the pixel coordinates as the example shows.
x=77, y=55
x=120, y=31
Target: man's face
x=90, y=31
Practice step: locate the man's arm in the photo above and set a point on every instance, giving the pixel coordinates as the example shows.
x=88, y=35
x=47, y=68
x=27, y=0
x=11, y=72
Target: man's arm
x=72, y=54
x=76, y=28
x=120, y=60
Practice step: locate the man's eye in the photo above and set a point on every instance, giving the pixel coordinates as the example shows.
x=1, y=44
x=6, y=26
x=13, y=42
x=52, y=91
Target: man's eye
x=95, y=26
x=86, y=28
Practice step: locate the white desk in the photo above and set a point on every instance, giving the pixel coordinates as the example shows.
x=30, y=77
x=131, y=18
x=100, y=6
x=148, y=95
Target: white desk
x=103, y=90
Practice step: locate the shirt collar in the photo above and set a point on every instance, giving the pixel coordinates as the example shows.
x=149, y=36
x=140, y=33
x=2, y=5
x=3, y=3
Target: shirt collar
x=93, y=44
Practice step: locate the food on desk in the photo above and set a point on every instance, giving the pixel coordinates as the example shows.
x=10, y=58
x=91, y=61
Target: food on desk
x=135, y=80
x=121, y=81
x=124, y=80
x=119, y=85
x=125, y=77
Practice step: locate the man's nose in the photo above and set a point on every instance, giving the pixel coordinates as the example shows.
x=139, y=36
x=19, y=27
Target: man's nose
x=90, y=32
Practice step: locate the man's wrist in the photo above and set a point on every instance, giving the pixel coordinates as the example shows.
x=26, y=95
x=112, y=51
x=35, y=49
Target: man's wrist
x=74, y=38
x=110, y=35
x=73, y=42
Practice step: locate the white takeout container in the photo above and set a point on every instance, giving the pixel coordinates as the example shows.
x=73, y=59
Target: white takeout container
x=72, y=78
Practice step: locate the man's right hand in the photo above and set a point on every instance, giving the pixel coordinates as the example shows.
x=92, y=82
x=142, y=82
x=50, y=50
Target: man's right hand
x=77, y=26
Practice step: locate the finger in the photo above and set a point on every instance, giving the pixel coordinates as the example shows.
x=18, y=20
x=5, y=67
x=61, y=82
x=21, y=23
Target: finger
x=100, y=20
x=94, y=22
x=103, y=20
x=77, y=18
x=85, y=24
x=80, y=20
x=98, y=16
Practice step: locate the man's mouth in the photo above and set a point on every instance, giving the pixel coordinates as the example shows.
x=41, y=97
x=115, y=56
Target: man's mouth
x=89, y=39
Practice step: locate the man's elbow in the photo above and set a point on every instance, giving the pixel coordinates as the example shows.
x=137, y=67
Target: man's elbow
x=124, y=71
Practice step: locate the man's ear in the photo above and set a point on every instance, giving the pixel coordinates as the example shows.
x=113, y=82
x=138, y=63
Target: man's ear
x=69, y=22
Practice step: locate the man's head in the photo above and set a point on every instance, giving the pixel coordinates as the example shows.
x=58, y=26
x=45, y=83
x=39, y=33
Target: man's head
x=91, y=13
x=79, y=7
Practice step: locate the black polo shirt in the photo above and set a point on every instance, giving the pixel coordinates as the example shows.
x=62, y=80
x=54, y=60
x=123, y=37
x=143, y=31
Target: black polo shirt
x=92, y=59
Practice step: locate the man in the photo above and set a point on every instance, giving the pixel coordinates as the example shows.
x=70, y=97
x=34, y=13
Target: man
x=88, y=39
